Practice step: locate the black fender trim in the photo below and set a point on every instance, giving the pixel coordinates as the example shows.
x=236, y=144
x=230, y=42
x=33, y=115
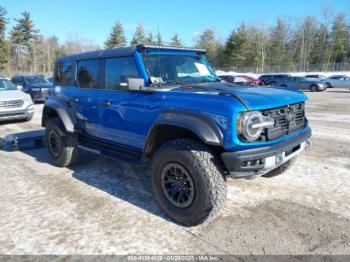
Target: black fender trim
x=202, y=125
x=59, y=105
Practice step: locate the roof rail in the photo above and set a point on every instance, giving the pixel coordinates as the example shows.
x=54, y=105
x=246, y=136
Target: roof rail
x=142, y=47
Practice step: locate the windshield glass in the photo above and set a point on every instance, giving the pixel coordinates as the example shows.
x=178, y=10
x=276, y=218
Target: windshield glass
x=35, y=80
x=178, y=68
x=6, y=85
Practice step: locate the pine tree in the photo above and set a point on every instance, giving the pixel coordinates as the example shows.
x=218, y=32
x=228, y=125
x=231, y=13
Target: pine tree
x=237, y=47
x=176, y=40
x=23, y=36
x=4, y=52
x=340, y=38
x=139, y=36
x=208, y=41
x=116, y=38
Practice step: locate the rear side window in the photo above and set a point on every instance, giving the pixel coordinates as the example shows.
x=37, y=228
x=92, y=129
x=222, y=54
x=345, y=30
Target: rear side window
x=116, y=71
x=88, y=74
x=63, y=73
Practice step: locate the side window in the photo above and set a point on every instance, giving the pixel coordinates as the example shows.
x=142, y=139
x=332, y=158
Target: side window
x=117, y=69
x=63, y=73
x=87, y=74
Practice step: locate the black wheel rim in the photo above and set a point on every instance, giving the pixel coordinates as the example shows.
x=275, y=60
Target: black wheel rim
x=177, y=185
x=54, y=143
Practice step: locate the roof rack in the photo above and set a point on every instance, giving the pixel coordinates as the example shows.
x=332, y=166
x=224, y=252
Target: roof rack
x=142, y=47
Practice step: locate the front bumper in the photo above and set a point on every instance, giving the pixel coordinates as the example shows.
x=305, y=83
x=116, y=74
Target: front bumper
x=16, y=114
x=39, y=96
x=259, y=161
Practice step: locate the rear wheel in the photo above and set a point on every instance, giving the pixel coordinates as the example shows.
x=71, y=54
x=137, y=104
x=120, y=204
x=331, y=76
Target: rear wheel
x=187, y=181
x=283, y=85
x=62, y=146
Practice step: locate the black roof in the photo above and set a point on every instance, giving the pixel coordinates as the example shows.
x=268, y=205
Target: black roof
x=122, y=51
x=112, y=52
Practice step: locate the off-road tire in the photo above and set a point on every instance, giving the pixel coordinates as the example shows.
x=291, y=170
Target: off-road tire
x=205, y=171
x=282, y=168
x=68, y=150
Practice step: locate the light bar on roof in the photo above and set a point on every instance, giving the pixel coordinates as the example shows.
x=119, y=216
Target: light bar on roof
x=143, y=47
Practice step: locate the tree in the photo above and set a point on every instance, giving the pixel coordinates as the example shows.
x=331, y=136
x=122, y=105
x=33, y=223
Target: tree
x=176, y=40
x=208, y=41
x=237, y=47
x=4, y=48
x=278, y=44
x=23, y=41
x=139, y=36
x=149, y=39
x=340, y=38
x=116, y=38
x=159, y=40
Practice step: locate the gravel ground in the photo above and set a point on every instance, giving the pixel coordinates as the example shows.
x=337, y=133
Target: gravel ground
x=106, y=207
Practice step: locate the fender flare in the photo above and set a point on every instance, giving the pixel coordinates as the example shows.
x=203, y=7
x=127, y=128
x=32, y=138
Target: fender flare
x=59, y=105
x=200, y=124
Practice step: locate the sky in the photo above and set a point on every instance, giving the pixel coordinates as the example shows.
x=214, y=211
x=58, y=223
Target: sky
x=93, y=20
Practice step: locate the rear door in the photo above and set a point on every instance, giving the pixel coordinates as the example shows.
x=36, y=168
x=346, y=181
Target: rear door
x=82, y=96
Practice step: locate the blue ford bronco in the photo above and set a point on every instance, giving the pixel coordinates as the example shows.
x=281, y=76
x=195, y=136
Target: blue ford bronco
x=165, y=106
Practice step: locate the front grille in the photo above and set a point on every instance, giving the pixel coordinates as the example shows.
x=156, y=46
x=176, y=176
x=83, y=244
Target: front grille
x=287, y=120
x=11, y=103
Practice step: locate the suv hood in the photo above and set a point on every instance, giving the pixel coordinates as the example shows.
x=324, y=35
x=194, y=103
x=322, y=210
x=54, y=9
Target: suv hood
x=7, y=95
x=256, y=98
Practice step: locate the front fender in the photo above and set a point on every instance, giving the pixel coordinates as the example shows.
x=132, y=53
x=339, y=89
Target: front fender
x=200, y=124
x=60, y=107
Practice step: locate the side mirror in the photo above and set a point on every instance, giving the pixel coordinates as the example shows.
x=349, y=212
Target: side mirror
x=132, y=83
x=19, y=87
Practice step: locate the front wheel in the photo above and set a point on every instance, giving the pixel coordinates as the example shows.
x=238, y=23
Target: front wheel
x=187, y=181
x=313, y=88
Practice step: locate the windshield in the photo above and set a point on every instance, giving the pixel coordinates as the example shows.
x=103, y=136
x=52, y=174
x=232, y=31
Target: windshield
x=35, y=80
x=6, y=85
x=178, y=68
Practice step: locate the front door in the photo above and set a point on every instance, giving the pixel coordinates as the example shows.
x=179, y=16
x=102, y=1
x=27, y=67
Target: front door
x=121, y=115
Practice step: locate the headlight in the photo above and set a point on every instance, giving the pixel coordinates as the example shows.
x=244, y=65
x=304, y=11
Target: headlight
x=36, y=89
x=251, y=124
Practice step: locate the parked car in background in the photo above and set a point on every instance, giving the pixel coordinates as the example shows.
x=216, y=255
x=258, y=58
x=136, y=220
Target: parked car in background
x=36, y=86
x=50, y=79
x=302, y=83
x=341, y=81
x=252, y=81
x=234, y=79
x=272, y=79
x=316, y=76
x=14, y=104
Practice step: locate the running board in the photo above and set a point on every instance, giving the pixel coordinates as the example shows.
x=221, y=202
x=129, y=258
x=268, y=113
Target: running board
x=109, y=151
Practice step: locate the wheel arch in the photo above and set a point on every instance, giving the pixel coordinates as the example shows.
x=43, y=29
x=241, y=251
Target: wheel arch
x=173, y=124
x=57, y=108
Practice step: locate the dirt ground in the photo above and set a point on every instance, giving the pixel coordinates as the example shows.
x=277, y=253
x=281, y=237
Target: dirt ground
x=106, y=207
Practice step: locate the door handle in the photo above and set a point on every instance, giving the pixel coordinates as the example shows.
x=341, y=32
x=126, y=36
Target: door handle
x=105, y=103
